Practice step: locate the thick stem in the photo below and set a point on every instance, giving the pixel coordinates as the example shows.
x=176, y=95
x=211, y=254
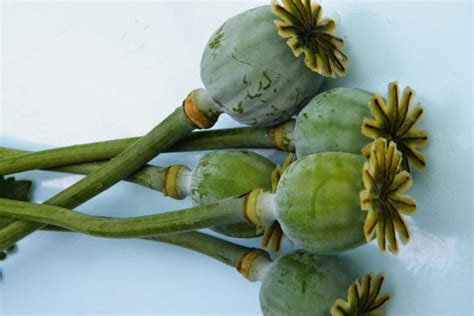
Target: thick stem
x=150, y=176
x=244, y=137
x=165, y=134
x=242, y=258
x=63, y=156
x=14, y=161
x=226, y=252
x=223, y=212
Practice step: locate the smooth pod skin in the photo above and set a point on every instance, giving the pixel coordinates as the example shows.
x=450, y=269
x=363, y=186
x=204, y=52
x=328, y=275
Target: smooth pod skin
x=250, y=71
x=317, y=202
x=225, y=173
x=302, y=283
x=332, y=121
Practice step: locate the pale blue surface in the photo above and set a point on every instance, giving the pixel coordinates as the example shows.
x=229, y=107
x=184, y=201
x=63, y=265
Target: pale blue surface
x=86, y=71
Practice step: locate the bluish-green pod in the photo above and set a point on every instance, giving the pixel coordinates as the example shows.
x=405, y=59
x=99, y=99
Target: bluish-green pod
x=251, y=72
x=332, y=121
x=317, y=202
x=301, y=283
x=226, y=173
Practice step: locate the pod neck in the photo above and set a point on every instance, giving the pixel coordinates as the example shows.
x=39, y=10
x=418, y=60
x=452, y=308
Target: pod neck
x=254, y=264
x=259, y=208
x=177, y=182
x=200, y=110
x=283, y=136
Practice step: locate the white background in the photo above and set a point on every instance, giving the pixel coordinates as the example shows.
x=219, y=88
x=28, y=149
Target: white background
x=86, y=71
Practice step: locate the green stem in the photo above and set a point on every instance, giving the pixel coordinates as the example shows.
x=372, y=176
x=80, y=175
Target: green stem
x=243, y=137
x=64, y=156
x=4, y=221
x=165, y=134
x=223, y=212
x=18, y=161
x=221, y=250
x=226, y=252
x=149, y=176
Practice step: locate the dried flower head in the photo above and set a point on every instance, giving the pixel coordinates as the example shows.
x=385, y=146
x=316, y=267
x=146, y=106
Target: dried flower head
x=394, y=121
x=309, y=33
x=363, y=298
x=384, y=183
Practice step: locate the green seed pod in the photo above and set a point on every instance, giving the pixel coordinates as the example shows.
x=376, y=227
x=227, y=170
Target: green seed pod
x=348, y=119
x=226, y=173
x=332, y=121
x=334, y=201
x=251, y=72
x=301, y=283
x=317, y=202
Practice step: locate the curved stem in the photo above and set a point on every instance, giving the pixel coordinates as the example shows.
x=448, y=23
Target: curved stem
x=64, y=156
x=18, y=161
x=225, y=211
x=165, y=134
x=224, y=251
x=149, y=176
x=242, y=137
